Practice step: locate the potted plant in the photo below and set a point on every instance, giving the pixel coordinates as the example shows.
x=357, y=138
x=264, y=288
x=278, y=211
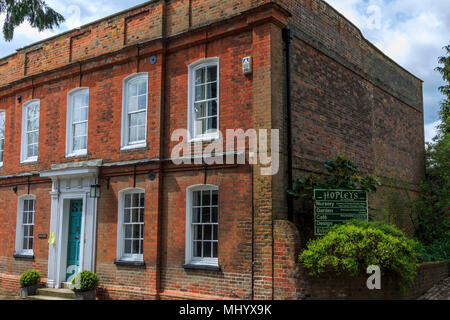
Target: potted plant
x=85, y=285
x=29, y=283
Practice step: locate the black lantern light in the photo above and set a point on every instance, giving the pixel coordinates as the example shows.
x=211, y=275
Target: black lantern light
x=95, y=191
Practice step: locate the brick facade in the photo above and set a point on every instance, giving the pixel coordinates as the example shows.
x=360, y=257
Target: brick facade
x=347, y=97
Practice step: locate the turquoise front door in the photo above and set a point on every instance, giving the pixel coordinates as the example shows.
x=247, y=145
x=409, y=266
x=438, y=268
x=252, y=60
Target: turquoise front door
x=73, y=239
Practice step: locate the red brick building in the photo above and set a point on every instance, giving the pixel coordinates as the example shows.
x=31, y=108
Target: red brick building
x=98, y=105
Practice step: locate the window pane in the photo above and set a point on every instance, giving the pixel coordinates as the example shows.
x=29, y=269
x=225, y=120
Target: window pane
x=214, y=214
x=80, y=143
x=215, y=197
x=215, y=232
x=136, y=231
x=206, y=198
x=135, y=215
x=200, y=76
x=197, y=249
x=25, y=244
x=206, y=215
x=128, y=231
x=127, y=249
x=2, y=125
x=211, y=90
x=141, y=200
x=80, y=129
x=142, y=87
x=200, y=92
x=198, y=232
x=132, y=103
x=196, y=215
x=133, y=89
x=212, y=124
x=196, y=198
x=127, y=215
x=142, y=102
x=207, y=249
x=207, y=232
x=128, y=200
x=215, y=249
x=200, y=110
x=212, y=74
x=136, y=247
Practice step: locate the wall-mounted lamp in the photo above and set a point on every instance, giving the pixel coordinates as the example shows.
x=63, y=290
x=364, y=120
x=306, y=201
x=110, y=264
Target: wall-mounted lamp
x=95, y=191
x=152, y=175
x=15, y=189
x=19, y=99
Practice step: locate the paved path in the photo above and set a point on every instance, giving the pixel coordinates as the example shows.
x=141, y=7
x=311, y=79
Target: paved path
x=441, y=291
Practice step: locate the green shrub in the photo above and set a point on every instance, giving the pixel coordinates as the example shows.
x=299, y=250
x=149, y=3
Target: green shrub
x=85, y=281
x=30, y=278
x=438, y=250
x=350, y=248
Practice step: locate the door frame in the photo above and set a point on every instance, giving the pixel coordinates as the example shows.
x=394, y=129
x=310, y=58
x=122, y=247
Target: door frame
x=64, y=226
x=71, y=182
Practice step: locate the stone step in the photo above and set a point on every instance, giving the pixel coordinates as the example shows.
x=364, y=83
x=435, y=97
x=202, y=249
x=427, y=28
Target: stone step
x=42, y=297
x=58, y=293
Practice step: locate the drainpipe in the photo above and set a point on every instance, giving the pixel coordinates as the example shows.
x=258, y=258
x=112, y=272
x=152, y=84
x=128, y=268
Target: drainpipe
x=287, y=37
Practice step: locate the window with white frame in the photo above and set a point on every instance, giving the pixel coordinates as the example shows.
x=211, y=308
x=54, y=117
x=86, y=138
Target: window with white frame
x=77, y=122
x=130, y=240
x=202, y=224
x=30, y=131
x=134, y=111
x=2, y=136
x=203, y=113
x=25, y=225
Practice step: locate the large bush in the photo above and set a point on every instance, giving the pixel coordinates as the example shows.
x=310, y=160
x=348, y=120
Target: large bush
x=350, y=248
x=85, y=281
x=30, y=278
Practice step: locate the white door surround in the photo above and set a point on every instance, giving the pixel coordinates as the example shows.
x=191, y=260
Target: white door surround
x=70, y=182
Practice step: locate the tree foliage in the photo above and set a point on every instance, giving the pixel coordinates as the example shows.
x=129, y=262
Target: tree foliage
x=434, y=201
x=36, y=12
x=343, y=173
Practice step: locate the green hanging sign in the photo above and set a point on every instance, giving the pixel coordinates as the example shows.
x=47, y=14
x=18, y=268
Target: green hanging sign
x=336, y=206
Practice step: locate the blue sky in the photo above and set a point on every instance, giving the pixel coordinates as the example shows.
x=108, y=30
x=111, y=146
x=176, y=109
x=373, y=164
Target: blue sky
x=411, y=32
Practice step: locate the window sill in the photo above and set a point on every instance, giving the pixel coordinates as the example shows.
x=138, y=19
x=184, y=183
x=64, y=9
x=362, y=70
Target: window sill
x=207, y=138
x=135, y=263
x=28, y=161
x=134, y=146
x=76, y=154
x=201, y=266
x=23, y=256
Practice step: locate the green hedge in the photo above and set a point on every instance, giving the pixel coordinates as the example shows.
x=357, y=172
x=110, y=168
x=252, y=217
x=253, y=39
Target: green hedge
x=30, y=278
x=350, y=248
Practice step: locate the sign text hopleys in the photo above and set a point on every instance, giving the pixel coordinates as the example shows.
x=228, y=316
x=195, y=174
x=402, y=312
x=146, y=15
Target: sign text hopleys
x=333, y=207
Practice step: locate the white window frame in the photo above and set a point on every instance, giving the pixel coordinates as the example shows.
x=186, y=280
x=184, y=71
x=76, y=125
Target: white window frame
x=125, y=144
x=189, y=253
x=69, y=130
x=3, y=138
x=121, y=256
x=193, y=67
x=24, y=158
x=19, y=227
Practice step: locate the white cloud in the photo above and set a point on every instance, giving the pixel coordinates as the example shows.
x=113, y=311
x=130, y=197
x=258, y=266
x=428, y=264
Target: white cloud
x=431, y=131
x=412, y=33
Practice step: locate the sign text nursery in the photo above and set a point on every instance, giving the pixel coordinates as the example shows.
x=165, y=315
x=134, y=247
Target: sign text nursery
x=333, y=207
